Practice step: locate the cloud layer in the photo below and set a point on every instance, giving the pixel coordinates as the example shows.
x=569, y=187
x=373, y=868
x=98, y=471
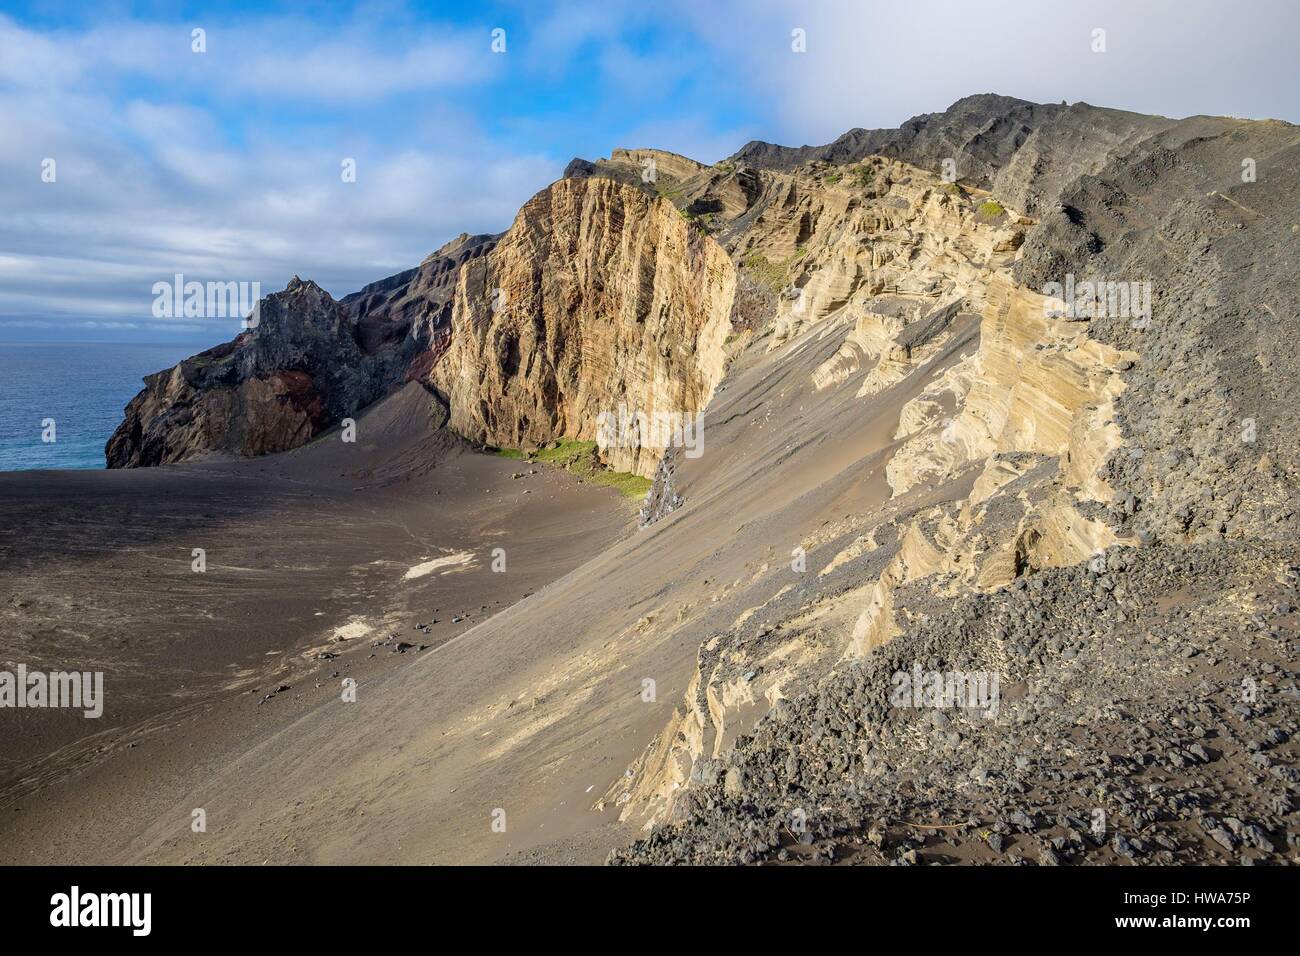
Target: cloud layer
x=226, y=165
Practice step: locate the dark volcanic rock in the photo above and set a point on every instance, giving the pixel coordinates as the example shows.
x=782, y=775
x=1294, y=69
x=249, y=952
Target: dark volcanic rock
x=1025, y=152
x=1085, y=778
x=309, y=362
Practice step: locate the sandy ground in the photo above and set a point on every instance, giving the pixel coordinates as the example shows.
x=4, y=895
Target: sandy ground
x=324, y=551
x=493, y=744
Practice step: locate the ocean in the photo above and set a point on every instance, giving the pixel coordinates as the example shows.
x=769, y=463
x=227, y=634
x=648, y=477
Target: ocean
x=82, y=386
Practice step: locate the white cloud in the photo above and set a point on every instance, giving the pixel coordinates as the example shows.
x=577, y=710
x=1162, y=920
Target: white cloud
x=150, y=185
x=279, y=59
x=225, y=165
x=876, y=64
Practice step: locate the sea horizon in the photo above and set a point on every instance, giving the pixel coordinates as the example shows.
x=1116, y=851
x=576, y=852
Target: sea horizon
x=82, y=386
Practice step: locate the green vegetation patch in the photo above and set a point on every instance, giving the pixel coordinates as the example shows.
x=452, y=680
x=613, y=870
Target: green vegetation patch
x=763, y=271
x=862, y=176
x=630, y=486
x=702, y=223
x=989, y=210
x=565, y=453
x=207, y=361
x=774, y=275
x=581, y=458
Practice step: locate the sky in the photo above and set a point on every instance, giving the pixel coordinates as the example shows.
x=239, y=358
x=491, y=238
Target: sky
x=131, y=152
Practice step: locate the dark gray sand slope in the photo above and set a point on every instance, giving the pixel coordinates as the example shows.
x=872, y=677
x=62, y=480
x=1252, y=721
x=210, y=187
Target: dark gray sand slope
x=312, y=558
x=536, y=711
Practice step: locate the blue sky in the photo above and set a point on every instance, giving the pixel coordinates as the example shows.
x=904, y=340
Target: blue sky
x=225, y=165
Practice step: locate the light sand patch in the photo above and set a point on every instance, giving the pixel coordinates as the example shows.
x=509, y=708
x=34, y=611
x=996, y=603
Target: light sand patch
x=459, y=559
x=351, y=631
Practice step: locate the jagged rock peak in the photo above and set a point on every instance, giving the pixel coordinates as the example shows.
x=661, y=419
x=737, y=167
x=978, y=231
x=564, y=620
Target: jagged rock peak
x=648, y=169
x=464, y=245
x=298, y=286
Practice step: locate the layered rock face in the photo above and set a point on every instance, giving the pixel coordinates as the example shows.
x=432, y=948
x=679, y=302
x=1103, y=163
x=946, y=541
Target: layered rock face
x=1204, y=212
x=599, y=298
x=995, y=455
x=415, y=306
x=657, y=168
x=250, y=396
x=1024, y=152
x=1015, y=454
x=308, y=362
x=1196, y=207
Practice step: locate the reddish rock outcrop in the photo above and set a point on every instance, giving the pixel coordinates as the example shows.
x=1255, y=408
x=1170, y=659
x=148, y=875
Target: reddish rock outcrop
x=307, y=363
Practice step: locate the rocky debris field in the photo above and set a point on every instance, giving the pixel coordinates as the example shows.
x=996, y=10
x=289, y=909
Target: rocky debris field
x=1146, y=714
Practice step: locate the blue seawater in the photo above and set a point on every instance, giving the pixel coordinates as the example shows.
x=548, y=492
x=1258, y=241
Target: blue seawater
x=82, y=386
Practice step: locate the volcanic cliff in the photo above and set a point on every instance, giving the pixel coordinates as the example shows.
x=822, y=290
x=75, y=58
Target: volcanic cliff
x=918, y=452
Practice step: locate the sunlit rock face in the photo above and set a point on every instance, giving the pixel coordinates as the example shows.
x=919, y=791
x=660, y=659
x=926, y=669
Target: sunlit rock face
x=598, y=298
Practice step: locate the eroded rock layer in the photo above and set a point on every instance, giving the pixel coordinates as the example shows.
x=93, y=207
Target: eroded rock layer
x=1058, y=441
x=598, y=299
x=1007, y=407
